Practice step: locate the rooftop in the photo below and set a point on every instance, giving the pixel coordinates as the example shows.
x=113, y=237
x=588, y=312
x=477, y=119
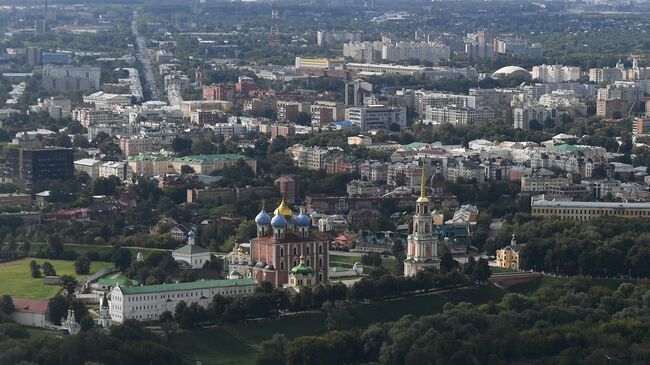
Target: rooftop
x=205, y=284
x=211, y=158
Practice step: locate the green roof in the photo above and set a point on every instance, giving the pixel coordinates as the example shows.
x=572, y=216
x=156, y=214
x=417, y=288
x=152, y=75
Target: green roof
x=199, y=159
x=565, y=148
x=415, y=145
x=205, y=284
x=191, y=250
x=303, y=270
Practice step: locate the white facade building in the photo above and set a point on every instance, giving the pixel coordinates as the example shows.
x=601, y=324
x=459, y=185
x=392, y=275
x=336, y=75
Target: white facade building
x=377, y=117
x=147, y=303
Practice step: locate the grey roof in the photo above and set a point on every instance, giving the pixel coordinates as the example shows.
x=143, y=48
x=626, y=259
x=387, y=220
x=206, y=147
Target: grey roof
x=191, y=250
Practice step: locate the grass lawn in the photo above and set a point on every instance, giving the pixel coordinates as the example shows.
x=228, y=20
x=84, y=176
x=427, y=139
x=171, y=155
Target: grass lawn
x=84, y=249
x=16, y=279
x=240, y=343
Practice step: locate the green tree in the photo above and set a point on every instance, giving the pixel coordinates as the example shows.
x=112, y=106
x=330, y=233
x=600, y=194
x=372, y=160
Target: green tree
x=48, y=269
x=122, y=258
x=57, y=307
x=35, y=269
x=82, y=265
x=55, y=246
x=338, y=316
x=7, y=304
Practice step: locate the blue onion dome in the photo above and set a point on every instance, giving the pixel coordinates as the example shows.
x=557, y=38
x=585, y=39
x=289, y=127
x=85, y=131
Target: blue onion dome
x=302, y=220
x=263, y=218
x=191, y=234
x=279, y=221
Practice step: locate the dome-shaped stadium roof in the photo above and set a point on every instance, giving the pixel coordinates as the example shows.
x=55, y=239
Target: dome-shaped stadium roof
x=510, y=71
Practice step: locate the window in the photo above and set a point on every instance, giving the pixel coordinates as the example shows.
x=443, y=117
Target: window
x=281, y=252
x=307, y=248
x=295, y=251
x=282, y=265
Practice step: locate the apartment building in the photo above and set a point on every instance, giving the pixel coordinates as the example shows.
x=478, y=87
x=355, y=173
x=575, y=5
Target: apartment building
x=583, y=211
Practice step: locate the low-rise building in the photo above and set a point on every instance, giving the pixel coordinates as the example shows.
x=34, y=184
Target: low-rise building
x=508, y=257
x=583, y=211
x=147, y=303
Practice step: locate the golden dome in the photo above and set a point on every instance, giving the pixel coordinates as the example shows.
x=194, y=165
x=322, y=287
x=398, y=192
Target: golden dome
x=422, y=199
x=283, y=209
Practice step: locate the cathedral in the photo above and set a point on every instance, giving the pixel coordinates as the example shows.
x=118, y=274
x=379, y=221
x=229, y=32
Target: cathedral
x=284, y=242
x=422, y=247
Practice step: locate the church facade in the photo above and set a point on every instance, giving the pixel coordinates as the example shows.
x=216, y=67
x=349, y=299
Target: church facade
x=281, y=242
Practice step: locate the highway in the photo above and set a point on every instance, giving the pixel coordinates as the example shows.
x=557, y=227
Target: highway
x=143, y=54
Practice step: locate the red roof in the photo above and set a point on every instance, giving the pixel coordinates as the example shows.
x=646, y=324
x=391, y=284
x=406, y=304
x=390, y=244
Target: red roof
x=30, y=305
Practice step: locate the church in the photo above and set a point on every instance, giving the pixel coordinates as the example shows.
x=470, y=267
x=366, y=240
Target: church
x=284, y=242
x=422, y=247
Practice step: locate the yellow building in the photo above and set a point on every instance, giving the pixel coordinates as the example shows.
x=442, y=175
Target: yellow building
x=583, y=211
x=508, y=257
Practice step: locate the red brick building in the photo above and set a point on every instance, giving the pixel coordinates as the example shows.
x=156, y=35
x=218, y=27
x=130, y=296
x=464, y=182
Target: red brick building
x=280, y=244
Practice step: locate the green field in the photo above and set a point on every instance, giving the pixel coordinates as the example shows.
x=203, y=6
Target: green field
x=84, y=249
x=239, y=343
x=16, y=279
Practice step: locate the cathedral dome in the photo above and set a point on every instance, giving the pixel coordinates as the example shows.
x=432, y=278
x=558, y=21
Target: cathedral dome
x=283, y=209
x=303, y=270
x=263, y=218
x=278, y=221
x=302, y=220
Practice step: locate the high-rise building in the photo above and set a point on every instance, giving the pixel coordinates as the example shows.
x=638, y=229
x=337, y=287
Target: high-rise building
x=556, y=73
x=422, y=51
x=33, y=56
x=422, y=247
x=325, y=37
x=65, y=78
x=356, y=91
x=26, y=166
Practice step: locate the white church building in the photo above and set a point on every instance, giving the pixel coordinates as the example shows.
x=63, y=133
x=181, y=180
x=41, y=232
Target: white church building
x=191, y=254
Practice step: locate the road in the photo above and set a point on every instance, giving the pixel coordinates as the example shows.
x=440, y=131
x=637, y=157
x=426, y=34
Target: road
x=143, y=54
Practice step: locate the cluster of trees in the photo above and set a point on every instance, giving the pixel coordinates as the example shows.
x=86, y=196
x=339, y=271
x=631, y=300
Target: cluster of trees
x=568, y=323
x=156, y=268
x=599, y=247
x=266, y=301
x=127, y=344
x=37, y=270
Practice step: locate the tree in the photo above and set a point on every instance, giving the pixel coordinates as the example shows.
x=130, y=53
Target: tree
x=122, y=258
x=371, y=259
x=69, y=283
x=82, y=265
x=55, y=246
x=182, y=146
x=26, y=246
x=481, y=271
x=57, y=308
x=35, y=269
x=48, y=269
x=338, y=316
x=187, y=169
x=7, y=304
x=86, y=323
